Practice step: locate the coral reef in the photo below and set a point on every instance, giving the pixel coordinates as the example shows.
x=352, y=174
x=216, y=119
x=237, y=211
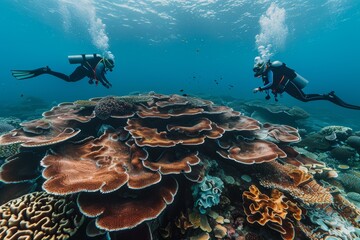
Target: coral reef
x=176, y=167
x=341, y=132
x=39, y=215
x=9, y=150
x=275, y=175
x=207, y=193
x=272, y=211
x=110, y=107
x=5, y=127
x=350, y=181
x=328, y=223
x=270, y=112
x=147, y=144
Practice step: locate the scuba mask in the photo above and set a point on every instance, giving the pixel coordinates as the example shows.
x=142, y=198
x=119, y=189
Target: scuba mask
x=259, y=69
x=109, y=64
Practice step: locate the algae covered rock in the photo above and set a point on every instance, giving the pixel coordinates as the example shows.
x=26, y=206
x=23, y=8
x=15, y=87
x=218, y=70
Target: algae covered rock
x=342, y=133
x=315, y=142
x=354, y=141
x=343, y=153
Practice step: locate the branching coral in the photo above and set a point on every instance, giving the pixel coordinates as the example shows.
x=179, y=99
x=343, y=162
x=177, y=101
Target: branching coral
x=330, y=224
x=9, y=150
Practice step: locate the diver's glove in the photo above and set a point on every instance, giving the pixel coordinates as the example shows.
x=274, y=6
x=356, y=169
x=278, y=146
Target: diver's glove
x=255, y=90
x=106, y=83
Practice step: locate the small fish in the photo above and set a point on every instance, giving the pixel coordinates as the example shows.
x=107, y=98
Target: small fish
x=185, y=95
x=231, y=86
x=21, y=95
x=181, y=90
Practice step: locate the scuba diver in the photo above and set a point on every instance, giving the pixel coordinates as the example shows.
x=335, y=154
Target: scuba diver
x=93, y=66
x=278, y=78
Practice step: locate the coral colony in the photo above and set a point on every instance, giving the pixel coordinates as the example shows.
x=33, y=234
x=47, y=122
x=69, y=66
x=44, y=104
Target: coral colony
x=158, y=166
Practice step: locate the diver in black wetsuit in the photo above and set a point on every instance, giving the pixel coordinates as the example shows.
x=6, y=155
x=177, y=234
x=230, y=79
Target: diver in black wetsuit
x=93, y=66
x=278, y=78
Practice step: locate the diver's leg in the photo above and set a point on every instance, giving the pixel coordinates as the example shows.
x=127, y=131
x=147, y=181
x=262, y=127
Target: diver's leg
x=335, y=99
x=295, y=92
x=78, y=74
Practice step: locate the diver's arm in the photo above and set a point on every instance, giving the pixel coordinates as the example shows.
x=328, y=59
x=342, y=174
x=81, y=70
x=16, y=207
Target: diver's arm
x=270, y=76
x=100, y=75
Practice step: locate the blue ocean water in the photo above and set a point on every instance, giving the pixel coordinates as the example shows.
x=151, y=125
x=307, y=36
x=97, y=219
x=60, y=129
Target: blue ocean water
x=202, y=47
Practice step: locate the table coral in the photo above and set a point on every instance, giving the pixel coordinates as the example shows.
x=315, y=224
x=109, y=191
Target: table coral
x=132, y=168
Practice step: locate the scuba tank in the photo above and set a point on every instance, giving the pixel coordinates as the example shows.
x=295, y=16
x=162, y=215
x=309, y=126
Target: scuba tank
x=81, y=58
x=300, y=81
x=296, y=78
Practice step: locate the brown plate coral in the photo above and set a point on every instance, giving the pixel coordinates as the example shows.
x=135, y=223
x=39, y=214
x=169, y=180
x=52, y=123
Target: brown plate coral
x=125, y=157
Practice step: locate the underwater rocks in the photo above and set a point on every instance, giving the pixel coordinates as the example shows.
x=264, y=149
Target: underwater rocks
x=337, y=139
x=270, y=112
x=343, y=153
x=354, y=141
x=341, y=132
x=315, y=142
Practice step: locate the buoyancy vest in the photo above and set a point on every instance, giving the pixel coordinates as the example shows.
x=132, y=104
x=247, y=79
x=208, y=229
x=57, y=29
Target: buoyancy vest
x=281, y=75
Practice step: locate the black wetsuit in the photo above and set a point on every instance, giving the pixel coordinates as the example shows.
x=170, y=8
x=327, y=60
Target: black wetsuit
x=280, y=79
x=94, y=69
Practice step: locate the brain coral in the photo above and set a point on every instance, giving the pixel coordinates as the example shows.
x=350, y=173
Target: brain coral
x=39, y=215
x=111, y=106
x=129, y=173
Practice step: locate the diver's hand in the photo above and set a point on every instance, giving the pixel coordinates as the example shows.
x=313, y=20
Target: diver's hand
x=105, y=84
x=256, y=90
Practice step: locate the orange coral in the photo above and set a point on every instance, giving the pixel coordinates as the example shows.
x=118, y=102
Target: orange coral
x=300, y=177
x=272, y=211
x=277, y=176
x=183, y=222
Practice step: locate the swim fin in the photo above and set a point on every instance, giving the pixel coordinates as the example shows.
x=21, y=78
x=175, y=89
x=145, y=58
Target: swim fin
x=335, y=99
x=25, y=74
